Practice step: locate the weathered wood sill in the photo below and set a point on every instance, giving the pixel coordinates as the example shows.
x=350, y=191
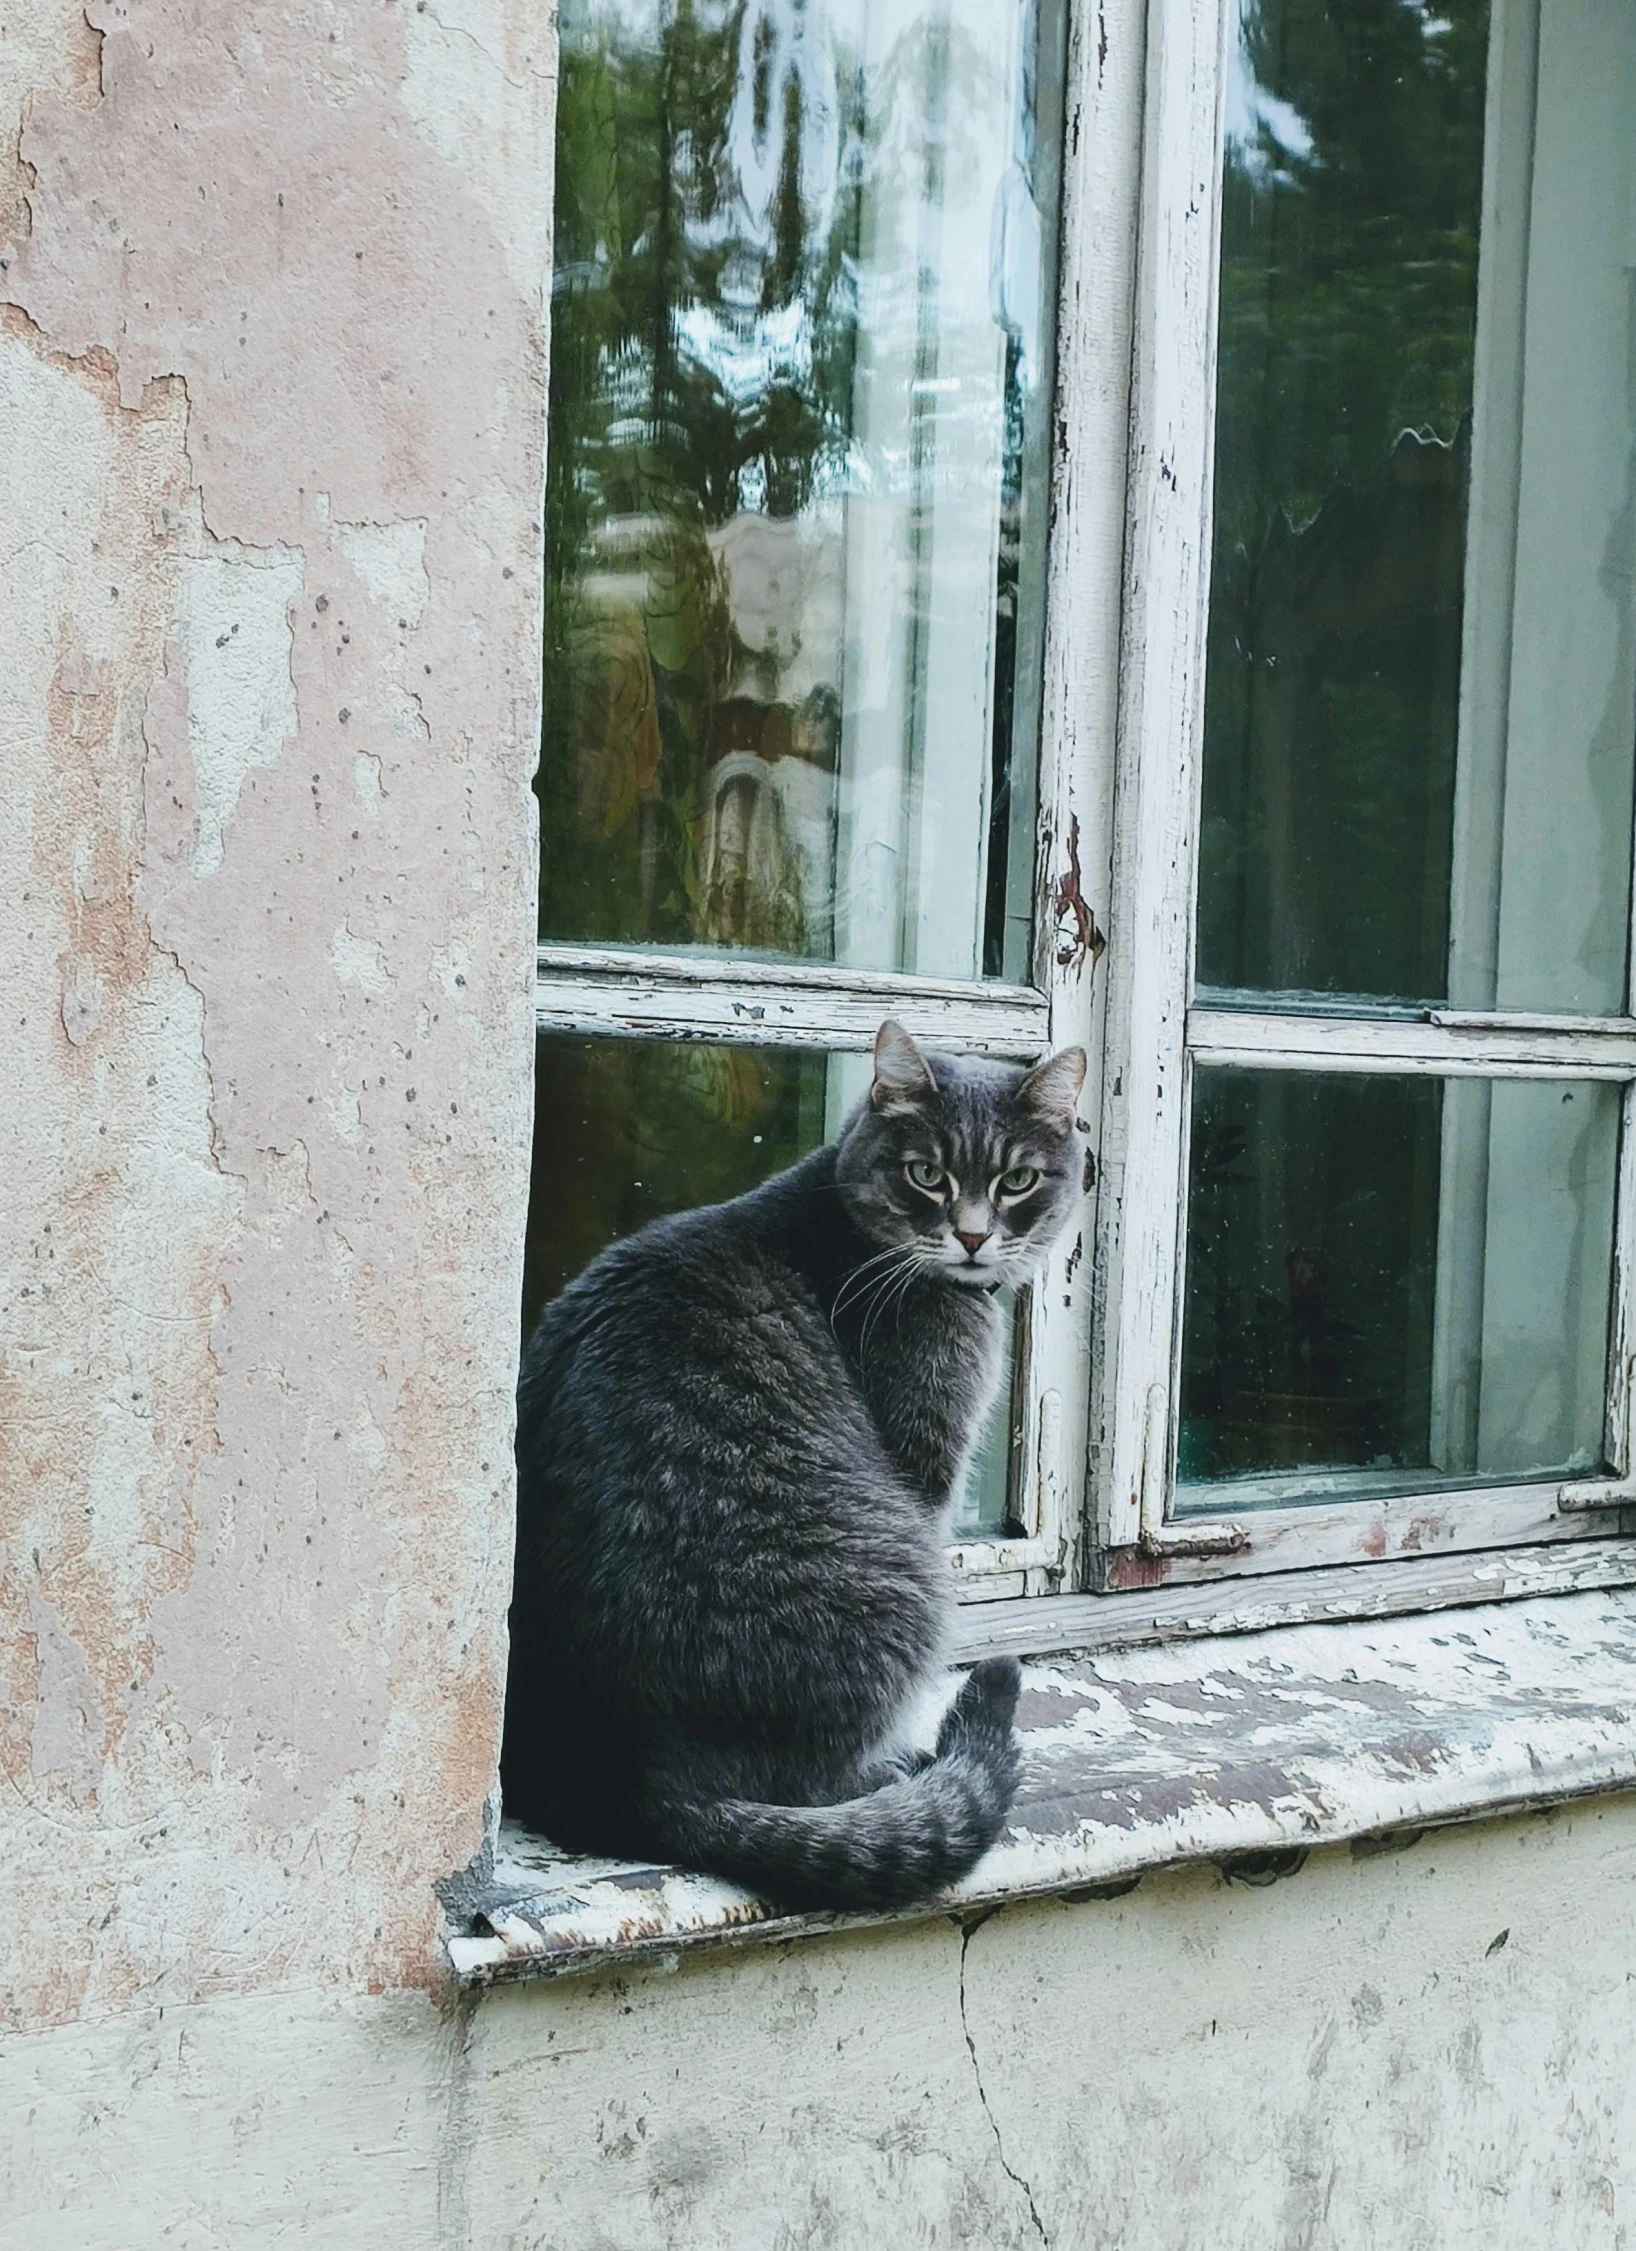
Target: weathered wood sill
x=1211, y=1749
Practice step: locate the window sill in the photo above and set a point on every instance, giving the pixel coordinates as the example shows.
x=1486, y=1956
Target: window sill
x=1211, y=1749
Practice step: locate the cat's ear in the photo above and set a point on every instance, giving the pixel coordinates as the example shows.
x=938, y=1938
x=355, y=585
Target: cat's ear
x=1051, y=1089
x=903, y=1079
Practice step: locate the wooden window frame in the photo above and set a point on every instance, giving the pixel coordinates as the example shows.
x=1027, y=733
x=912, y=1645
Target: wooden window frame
x=1127, y=589
x=1160, y=1030
x=600, y=991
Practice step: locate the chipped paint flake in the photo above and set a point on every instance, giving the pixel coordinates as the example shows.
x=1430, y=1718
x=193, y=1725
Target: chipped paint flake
x=390, y=559
x=359, y=961
x=1201, y=1751
x=234, y=623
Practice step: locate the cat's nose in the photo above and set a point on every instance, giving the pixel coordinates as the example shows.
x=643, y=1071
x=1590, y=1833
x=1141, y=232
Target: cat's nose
x=973, y=1243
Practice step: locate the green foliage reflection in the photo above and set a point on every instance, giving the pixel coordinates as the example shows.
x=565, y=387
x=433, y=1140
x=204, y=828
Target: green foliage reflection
x=690, y=367
x=1353, y=194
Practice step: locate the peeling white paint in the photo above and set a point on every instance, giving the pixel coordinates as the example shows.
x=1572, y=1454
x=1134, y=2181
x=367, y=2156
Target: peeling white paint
x=234, y=624
x=346, y=1117
x=408, y=724
x=359, y=961
x=82, y=999
x=1141, y=1759
x=391, y=561
x=601, y=990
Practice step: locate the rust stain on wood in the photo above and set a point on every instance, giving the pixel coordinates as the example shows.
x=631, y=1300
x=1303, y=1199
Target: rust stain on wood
x=1078, y=938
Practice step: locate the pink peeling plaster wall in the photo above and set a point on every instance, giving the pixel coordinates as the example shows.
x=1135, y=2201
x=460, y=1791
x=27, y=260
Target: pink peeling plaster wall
x=273, y=359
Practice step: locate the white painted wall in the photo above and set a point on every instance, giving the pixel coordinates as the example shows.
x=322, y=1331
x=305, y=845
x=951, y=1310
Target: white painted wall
x=271, y=358
x=272, y=416
x=1351, y=2059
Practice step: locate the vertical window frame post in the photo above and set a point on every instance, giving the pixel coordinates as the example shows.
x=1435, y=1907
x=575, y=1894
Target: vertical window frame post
x=1149, y=1049
x=1157, y=787
x=1085, y=598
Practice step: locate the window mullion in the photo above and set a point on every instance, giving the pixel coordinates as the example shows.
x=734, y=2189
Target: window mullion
x=1160, y=726
x=1448, y=1047
x=1090, y=438
x=608, y=992
x=1618, y=1441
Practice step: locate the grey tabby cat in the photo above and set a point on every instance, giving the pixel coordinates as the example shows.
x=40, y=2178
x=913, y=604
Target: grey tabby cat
x=740, y=1433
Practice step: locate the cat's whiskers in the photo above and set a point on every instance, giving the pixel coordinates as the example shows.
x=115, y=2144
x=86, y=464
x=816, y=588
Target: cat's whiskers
x=880, y=1290
x=880, y=1285
x=864, y=1279
x=916, y=1261
x=859, y=1287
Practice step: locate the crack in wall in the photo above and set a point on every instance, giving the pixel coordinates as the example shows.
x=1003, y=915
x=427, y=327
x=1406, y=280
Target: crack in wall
x=495, y=62
x=460, y=2135
x=218, y=1150
x=968, y=1930
x=463, y=31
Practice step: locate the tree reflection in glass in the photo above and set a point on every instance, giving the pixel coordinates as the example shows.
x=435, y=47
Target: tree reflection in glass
x=1420, y=732
x=800, y=367
x=1352, y=199
x=1421, y=701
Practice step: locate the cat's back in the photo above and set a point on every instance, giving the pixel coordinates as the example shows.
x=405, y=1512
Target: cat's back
x=692, y=1328
x=692, y=1444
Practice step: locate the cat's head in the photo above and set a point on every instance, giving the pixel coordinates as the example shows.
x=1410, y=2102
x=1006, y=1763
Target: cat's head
x=967, y=1165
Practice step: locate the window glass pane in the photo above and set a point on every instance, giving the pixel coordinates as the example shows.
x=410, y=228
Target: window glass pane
x=627, y=1130
x=1421, y=699
x=795, y=515
x=1403, y=1279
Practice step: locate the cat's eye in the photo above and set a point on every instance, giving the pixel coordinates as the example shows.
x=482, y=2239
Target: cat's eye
x=1021, y=1180
x=928, y=1178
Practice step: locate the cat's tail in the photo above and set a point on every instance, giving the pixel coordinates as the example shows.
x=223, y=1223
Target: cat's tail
x=884, y=1850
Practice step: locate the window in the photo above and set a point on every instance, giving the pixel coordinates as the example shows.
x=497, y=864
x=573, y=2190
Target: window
x=797, y=662
x=1375, y=1227
x=1057, y=551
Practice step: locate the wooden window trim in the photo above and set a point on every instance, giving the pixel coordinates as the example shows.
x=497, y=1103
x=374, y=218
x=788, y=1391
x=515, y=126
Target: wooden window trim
x=635, y=993
x=1128, y=572
x=1159, y=1029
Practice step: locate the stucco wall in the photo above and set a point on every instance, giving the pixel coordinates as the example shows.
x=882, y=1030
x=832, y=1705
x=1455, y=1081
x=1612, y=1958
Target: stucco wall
x=272, y=382
x=271, y=364
x=1426, y=2051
